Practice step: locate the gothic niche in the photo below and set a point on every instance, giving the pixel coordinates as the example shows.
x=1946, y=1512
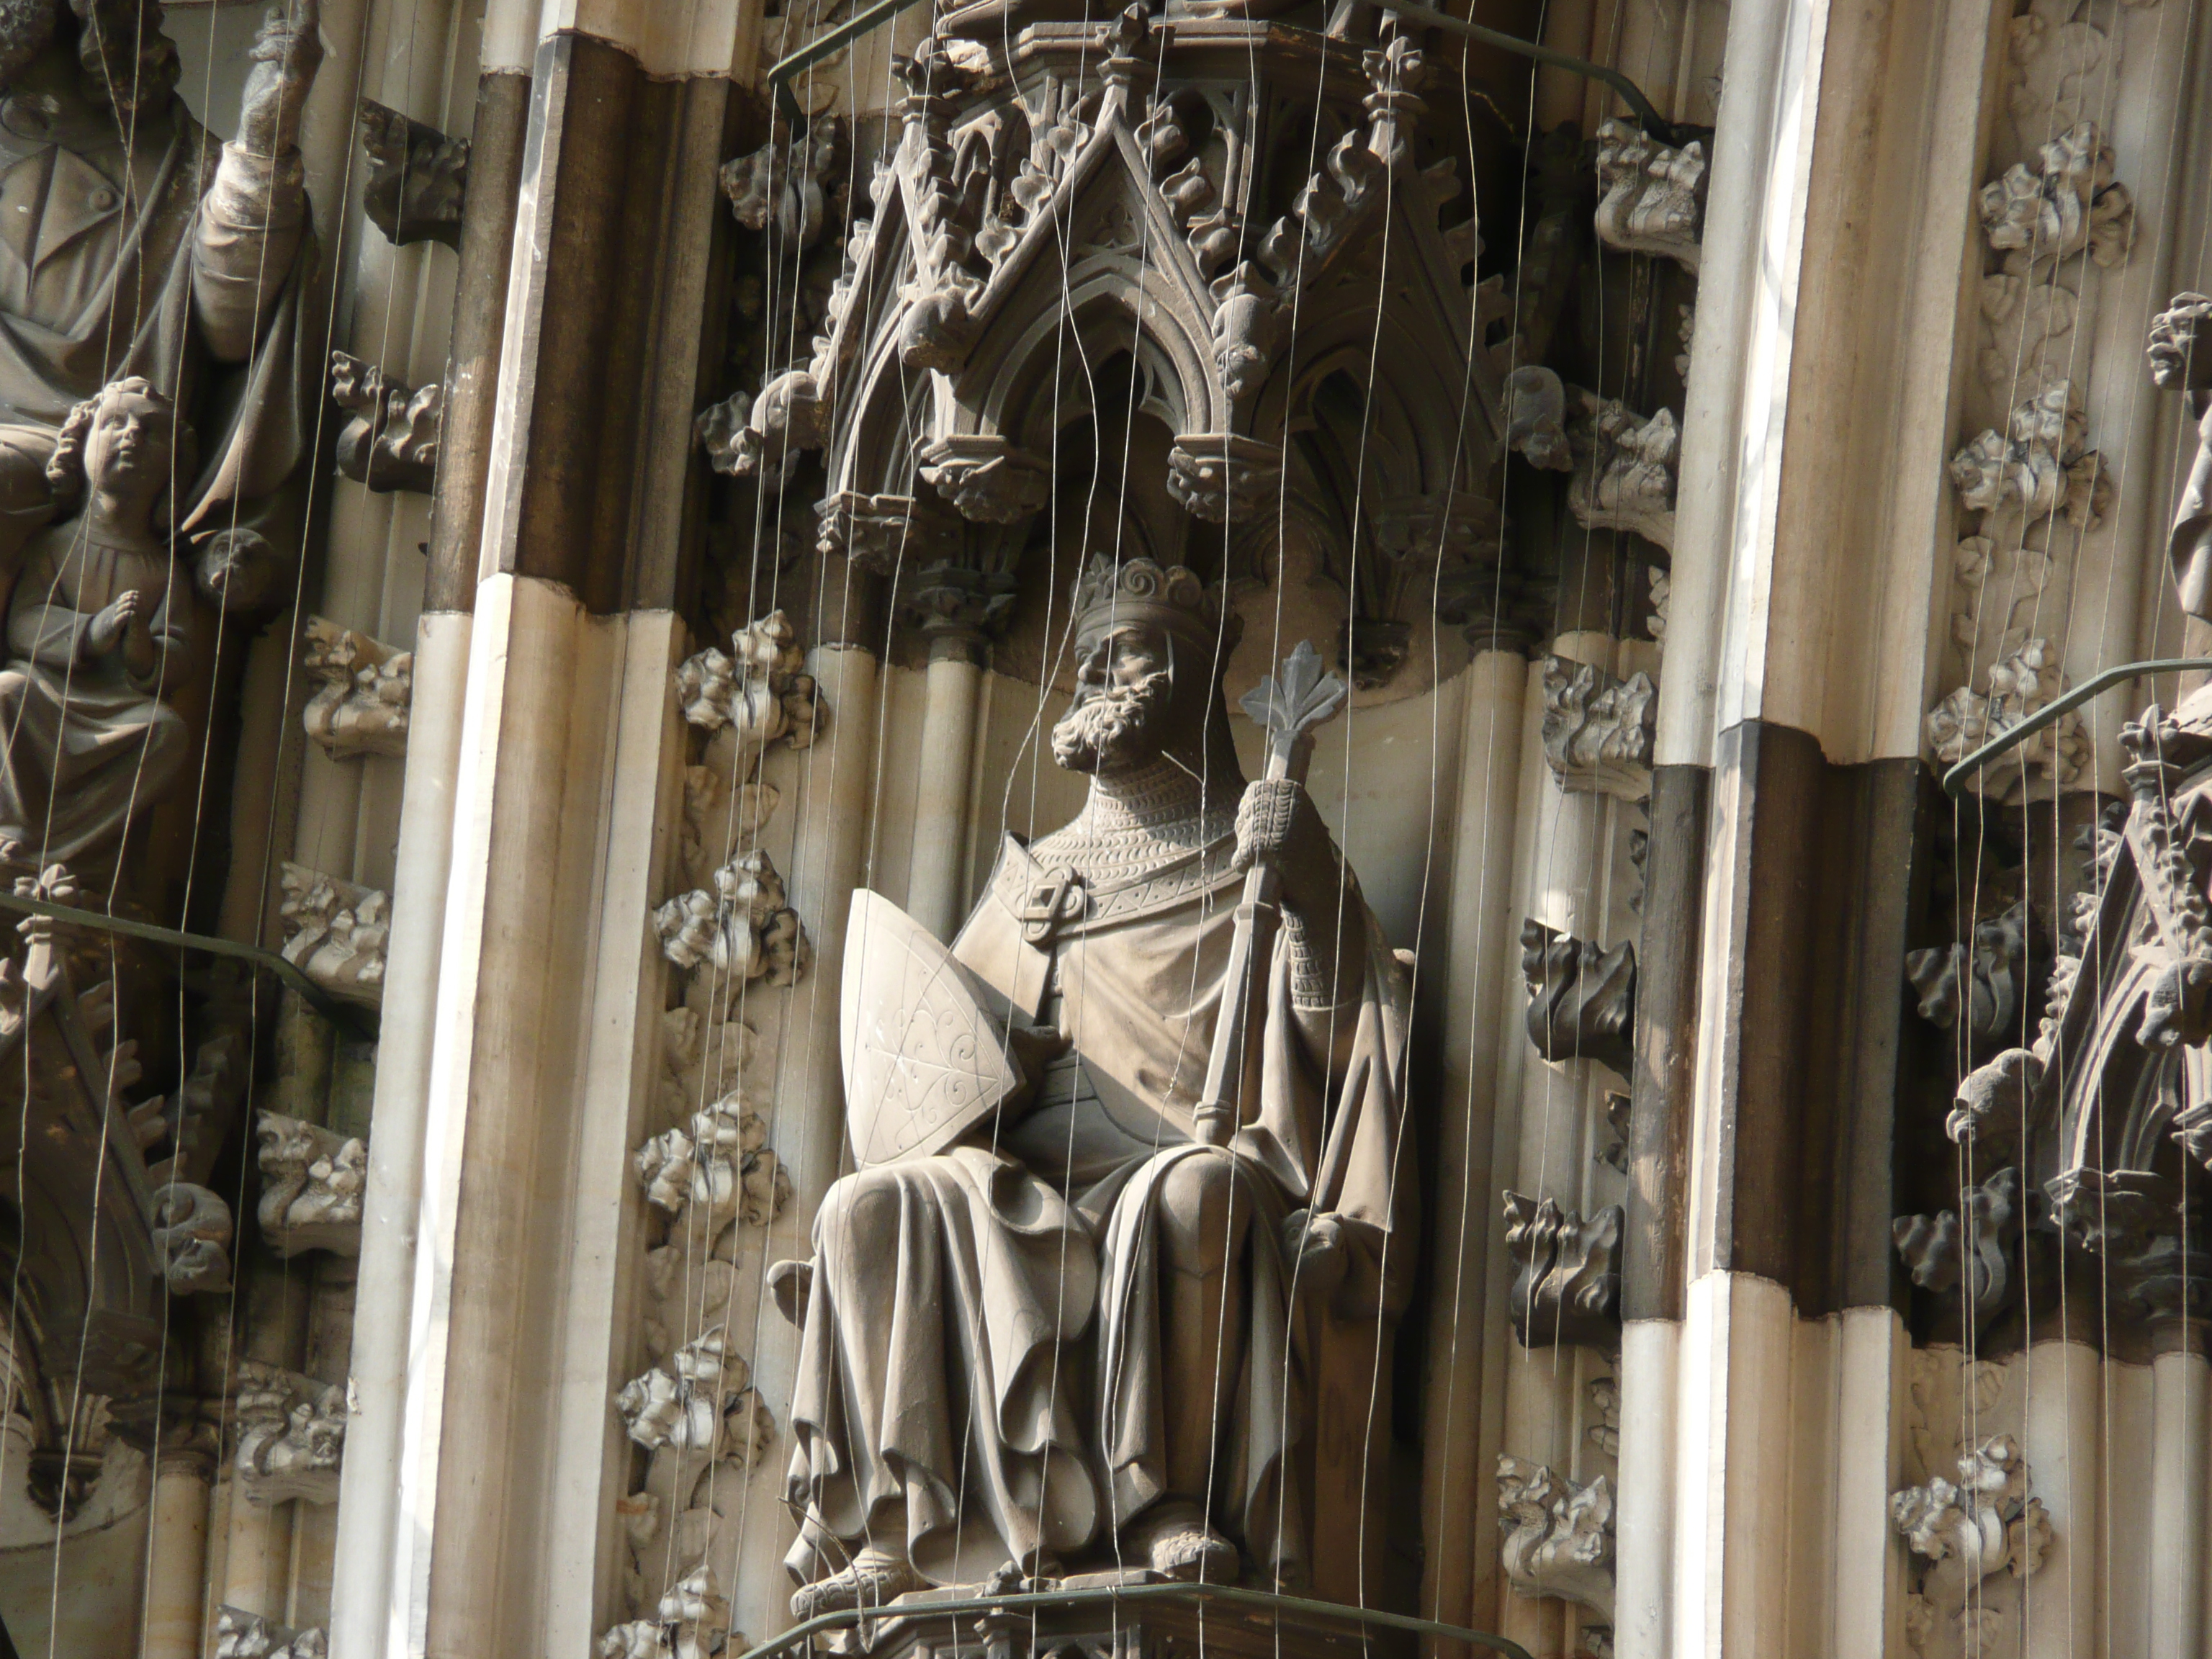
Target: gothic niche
x=1106, y=342
x=975, y=348
x=2086, y=1135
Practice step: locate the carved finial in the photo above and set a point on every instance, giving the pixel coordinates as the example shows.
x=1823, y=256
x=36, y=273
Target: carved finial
x=1306, y=695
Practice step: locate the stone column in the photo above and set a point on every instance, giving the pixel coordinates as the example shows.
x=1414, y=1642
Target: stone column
x=545, y=1035
x=2179, y=1425
x=1459, y=1527
x=1836, y=257
x=257, y=1560
x=935, y=884
x=361, y=1583
x=1564, y=865
x=177, y=1554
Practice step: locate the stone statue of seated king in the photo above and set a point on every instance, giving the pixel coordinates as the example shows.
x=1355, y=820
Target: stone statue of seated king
x=1096, y=1332
x=97, y=632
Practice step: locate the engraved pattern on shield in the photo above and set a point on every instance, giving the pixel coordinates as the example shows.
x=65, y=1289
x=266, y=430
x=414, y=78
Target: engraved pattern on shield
x=924, y=1062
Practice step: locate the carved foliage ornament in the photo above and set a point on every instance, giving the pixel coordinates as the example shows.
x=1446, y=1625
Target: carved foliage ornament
x=1984, y=982
x=1624, y=468
x=1598, y=730
x=1581, y=997
x=1557, y=1537
x=1653, y=197
x=2018, y=686
x=757, y=694
x=1943, y=1253
x=389, y=439
x=723, y=1170
x=703, y=1407
x=291, y=1435
x=417, y=178
x=336, y=932
x=743, y=930
x=2041, y=466
x=192, y=1232
x=242, y=1635
x=367, y=687
x=2065, y=204
x=691, y=1622
x=790, y=181
x=1567, y=1288
x=311, y=1182
x=1985, y=1523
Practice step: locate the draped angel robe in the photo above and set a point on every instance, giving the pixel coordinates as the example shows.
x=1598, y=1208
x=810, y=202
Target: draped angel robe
x=178, y=259
x=982, y=1341
x=86, y=743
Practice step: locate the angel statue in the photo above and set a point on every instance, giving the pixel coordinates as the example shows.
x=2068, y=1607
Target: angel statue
x=97, y=632
x=1074, y=1308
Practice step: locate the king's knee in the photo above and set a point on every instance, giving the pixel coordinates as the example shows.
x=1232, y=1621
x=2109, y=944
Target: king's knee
x=1202, y=1214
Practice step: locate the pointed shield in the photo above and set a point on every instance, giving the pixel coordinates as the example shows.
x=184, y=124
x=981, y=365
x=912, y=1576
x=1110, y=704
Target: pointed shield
x=924, y=1062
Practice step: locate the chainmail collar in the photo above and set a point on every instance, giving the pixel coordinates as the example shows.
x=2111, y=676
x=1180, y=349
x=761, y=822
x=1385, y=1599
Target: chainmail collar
x=1140, y=820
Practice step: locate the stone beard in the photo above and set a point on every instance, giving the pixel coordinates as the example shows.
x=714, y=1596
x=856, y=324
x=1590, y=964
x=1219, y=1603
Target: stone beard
x=1073, y=1336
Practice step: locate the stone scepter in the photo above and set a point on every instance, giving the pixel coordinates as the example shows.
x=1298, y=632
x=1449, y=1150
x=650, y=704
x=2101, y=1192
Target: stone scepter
x=1287, y=708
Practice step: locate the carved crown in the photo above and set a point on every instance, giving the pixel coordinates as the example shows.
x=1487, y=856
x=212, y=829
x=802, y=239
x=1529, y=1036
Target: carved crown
x=1142, y=590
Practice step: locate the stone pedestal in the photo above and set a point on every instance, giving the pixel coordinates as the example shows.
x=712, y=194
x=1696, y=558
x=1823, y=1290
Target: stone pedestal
x=1112, y=1628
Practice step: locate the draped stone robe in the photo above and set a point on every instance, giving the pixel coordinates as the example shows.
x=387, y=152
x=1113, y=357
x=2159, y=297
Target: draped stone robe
x=178, y=258
x=86, y=743
x=983, y=1343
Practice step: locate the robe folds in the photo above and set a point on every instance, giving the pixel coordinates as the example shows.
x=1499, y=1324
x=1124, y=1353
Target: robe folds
x=182, y=261
x=85, y=741
x=981, y=1369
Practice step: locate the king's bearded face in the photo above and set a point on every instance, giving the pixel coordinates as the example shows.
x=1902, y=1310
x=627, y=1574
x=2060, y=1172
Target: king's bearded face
x=1125, y=694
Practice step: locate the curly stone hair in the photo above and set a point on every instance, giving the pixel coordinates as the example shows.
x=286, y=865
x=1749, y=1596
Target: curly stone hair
x=65, y=468
x=127, y=60
x=26, y=26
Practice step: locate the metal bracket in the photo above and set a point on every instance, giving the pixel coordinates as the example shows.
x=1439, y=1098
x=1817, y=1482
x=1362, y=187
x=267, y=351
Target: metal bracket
x=1955, y=778
x=1298, y=1609
x=347, y=1018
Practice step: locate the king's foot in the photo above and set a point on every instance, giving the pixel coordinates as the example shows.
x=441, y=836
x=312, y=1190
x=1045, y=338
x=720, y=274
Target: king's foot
x=1173, y=1538
x=875, y=1576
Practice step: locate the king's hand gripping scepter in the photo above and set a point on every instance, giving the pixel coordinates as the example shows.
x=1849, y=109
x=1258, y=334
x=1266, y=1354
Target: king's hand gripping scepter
x=1287, y=705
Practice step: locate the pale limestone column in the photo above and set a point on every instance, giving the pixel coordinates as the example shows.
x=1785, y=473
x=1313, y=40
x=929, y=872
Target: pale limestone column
x=1459, y=1527
x=1563, y=885
x=827, y=860
x=1643, y=1520
x=503, y=1093
x=2179, y=1401
x=368, y=1488
x=940, y=808
x=2064, y=1440
x=257, y=1562
x=177, y=1556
